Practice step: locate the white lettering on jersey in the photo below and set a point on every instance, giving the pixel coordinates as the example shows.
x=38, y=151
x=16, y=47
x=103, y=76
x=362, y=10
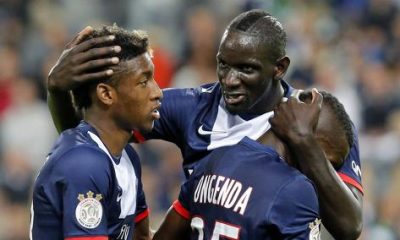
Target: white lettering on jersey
x=356, y=168
x=124, y=233
x=222, y=191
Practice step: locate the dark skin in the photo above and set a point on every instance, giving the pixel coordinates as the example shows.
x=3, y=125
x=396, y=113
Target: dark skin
x=173, y=227
x=346, y=207
x=249, y=80
x=251, y=84
x=142, y=230
x=114, y=119
x=319, y=121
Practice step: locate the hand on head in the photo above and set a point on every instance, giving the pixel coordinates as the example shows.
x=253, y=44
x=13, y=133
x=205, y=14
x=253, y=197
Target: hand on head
x=80, y=57
x=295, y=119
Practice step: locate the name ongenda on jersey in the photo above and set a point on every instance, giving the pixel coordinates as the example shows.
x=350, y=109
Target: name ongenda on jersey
x=222, y=191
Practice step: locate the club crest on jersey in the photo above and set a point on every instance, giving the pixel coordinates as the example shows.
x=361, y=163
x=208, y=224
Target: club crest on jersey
x=314, y=229
x=89, y=211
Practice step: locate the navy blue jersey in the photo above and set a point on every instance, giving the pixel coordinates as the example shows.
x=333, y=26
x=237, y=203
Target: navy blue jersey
x=197, y=121
x=84, y=191
x=247, y=191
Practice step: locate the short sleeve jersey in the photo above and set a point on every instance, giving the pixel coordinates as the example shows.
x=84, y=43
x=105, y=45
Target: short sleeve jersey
x=197, y=121
x=247, y=191
x=82, y=191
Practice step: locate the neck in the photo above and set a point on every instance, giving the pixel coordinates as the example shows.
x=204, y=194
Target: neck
x=269, y=138
x=113, y=137
x=268, y=100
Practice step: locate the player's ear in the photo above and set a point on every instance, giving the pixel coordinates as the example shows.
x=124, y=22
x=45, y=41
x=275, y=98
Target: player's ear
x=281, y=66
x=106, y=93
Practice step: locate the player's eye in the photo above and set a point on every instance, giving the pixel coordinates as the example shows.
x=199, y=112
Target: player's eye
x=247, y=69
x=144, y=82
x=222, y=65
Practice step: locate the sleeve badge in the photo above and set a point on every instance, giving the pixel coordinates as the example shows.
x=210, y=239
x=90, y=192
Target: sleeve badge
x=89, y=210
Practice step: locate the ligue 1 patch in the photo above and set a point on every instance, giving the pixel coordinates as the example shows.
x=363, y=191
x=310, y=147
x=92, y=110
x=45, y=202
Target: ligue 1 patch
x=89, y=210
x=314, y=227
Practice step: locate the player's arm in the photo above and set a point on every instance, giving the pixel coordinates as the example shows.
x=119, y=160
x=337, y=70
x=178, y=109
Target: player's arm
x=74, y=67
x=340, y=207
x=174, y=226
x=142, y=230
x=77, y=185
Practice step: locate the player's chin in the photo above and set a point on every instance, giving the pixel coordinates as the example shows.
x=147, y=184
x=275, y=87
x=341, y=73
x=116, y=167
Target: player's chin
x=237, y=108
x=147, y=126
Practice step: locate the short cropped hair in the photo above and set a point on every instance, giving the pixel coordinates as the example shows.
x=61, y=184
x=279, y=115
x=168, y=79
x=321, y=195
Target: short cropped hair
x=133, y=43
x=338, y=111
x=262, y=24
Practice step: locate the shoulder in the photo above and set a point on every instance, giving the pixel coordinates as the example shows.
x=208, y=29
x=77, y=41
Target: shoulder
x=296, y=194
x=80, y=160
x=206, y=90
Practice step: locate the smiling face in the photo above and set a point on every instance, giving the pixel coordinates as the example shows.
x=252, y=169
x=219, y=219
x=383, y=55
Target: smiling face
x=138, y=95
x=246, y=73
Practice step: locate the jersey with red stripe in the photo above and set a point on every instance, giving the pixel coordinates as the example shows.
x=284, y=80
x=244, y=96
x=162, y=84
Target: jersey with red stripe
x=197, y=121
x=247, y=191
x=83, y=192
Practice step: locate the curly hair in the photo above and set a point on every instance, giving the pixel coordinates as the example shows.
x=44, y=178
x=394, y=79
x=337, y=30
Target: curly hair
x=133, y=43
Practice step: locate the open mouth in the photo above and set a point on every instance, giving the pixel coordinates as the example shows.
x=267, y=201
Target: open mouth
x=156, y=113
x=233, y=98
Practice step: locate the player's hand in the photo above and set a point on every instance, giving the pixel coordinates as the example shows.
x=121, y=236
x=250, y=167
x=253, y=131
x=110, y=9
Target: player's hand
x=293, y=120
x=79, y=59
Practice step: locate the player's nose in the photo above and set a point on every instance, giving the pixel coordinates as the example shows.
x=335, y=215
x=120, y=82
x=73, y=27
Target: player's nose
x=231, y=79
x=156, y=93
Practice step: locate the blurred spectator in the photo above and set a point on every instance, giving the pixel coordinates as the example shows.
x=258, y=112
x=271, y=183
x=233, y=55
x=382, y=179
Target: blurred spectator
x=26, y=126
x=199, y=64
x=9, y=71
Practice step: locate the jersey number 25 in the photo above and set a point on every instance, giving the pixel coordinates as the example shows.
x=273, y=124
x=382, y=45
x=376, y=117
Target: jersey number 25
x=220, y=229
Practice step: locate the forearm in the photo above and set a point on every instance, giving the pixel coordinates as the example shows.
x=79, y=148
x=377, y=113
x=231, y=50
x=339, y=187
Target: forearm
x=62, y=110
x=142, y=230
x=340, y=210
x=173, y=227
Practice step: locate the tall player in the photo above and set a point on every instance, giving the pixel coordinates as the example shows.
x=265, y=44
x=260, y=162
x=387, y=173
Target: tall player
x=90, y=186
x=251, y=64
x=247, y=191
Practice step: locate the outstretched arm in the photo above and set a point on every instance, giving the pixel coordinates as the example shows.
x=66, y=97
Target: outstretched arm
x=340, y=206
x=76, y=66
